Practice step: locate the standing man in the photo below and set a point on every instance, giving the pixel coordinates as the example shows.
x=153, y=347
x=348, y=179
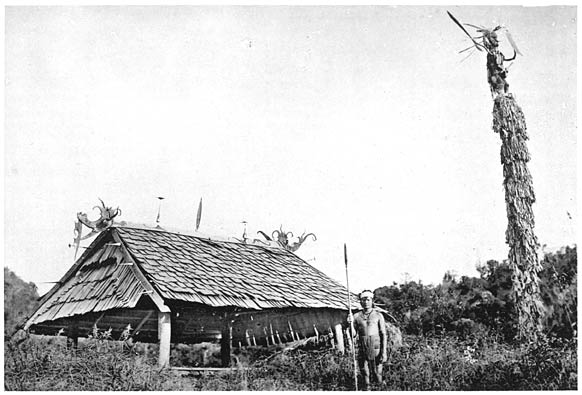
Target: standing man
x=371, y=331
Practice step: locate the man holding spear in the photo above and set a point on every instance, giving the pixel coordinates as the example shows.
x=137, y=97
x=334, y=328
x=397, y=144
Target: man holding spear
x=370, y=328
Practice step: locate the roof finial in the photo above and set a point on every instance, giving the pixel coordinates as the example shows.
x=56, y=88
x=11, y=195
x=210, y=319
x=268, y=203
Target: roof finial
x=282, y=238
x=244, y=235
x=105, y=220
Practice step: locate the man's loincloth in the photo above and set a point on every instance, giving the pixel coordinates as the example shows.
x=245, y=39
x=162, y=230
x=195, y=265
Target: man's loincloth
x=370, y=351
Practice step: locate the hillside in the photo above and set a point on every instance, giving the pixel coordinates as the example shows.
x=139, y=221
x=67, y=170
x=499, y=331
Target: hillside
x=20, y=299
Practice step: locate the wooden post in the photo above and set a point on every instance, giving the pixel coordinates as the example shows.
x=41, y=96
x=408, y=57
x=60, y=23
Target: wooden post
x=330, y=337
x=339, y=338
x=226, y=340
x=164, y=335
x=350, y=342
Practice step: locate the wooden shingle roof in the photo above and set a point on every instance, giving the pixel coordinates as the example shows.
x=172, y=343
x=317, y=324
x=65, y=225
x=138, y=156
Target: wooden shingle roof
x=124, y=263
x=222, y=273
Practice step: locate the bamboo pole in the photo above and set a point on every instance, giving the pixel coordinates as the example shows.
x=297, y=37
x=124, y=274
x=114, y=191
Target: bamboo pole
x=272, y=334
x=266, y=336
x=291, y=331
x=247, y=337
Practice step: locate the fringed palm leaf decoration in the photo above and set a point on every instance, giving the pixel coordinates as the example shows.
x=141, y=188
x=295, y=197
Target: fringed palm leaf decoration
x=509, y=123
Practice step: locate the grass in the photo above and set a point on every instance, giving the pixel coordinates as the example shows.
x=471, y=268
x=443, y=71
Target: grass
x=43, y=363
x=432, y=363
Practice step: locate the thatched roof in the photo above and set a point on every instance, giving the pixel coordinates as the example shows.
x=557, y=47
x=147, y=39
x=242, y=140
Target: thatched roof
x=124, y=264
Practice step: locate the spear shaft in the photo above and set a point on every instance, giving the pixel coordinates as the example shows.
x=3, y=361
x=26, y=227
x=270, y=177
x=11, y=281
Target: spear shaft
x=351, y=319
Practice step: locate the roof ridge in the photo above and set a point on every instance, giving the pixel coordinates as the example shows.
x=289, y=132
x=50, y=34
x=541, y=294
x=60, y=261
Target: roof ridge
x=196, y=234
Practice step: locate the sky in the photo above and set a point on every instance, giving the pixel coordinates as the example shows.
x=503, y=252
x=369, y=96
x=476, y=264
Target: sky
x=361, y=124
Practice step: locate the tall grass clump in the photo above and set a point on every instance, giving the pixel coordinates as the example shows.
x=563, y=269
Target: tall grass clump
x=296, y=370
x=452, y=363
x=46, y=364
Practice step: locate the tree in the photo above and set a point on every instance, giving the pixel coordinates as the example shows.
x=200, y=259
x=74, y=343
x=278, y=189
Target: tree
x=20, y=300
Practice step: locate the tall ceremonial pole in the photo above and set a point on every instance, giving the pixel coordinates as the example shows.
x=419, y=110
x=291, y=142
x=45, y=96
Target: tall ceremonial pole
x=351, y=318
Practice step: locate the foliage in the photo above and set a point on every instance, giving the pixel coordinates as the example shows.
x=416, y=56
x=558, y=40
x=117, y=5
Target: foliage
x=20, y=300
x=297, y=370
x=424, y=363
x=45, y=363
x=486, y=303
x=476, y=362
x=196, y=355
x=559, y=291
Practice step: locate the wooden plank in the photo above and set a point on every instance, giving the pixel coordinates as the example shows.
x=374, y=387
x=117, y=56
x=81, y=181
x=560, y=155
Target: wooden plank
x=209, y=369
x=142, y=322
x=188, y=371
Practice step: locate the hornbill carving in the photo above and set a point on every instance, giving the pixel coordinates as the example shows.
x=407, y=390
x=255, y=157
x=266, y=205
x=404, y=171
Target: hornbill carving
x=105, y=220
x=282, y=238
